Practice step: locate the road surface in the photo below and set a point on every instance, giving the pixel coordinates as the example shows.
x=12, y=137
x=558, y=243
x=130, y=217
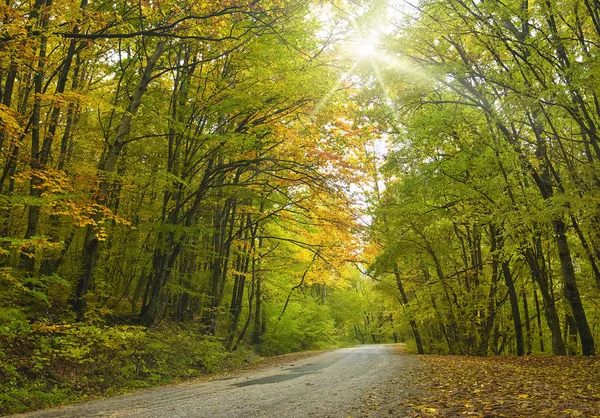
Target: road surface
x=334, y=384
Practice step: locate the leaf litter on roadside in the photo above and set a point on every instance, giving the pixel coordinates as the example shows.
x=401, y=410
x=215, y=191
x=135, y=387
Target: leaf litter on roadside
x=487, y=387
x=537, y=386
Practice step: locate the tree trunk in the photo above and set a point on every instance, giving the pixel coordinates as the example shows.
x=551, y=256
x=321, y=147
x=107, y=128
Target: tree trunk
x=163, y=261
x=527, y=322
x=28, y=257
x=411, y=321
x=539, y=320
x=223, y=223
x=571, y=290
x=571, y=335
x=108, y=164
x=514, y=306
x=257, y=334
x=540, y=277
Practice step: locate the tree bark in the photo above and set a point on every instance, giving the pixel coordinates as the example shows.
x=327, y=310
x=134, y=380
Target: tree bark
x=107, y=165
x=411, y=321
x=514, y=306
x=540, y=277
x=527, y=323
x=572, y=291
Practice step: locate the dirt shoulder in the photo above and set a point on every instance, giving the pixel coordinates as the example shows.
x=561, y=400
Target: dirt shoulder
x=456, y=386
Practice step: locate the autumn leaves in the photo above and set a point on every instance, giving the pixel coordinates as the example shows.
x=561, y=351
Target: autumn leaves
x=494, y=158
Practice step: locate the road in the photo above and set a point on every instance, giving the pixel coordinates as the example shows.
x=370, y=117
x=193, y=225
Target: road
x=333, y=384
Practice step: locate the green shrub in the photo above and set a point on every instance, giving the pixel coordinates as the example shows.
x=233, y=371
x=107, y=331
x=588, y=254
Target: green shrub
x=304, y=326
x=44, y=365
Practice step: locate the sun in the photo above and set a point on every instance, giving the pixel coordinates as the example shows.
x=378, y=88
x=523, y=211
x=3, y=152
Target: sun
x=364, y=47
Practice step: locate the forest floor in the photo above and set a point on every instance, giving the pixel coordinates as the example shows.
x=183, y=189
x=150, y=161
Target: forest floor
x=459, y=386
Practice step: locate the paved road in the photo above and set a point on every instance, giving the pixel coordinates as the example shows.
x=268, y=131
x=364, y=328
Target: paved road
x=333, y=384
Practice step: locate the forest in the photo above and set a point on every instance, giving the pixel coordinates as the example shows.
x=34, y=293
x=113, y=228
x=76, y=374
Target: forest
x=186, y=183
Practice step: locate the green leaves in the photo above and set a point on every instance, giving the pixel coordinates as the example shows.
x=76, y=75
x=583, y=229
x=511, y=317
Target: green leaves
x=490, y=142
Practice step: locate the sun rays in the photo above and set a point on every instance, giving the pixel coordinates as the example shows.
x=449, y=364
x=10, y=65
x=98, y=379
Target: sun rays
x=365, y=47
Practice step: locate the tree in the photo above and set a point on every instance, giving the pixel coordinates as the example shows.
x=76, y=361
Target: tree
x=486, y=95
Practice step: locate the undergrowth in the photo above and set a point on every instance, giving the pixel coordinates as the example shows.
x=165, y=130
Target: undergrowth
x=48, y=365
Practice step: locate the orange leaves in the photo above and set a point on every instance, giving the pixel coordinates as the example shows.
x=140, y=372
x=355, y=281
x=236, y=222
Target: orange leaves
x=50, y=181
x=13, y=27
x=83, y=215
x=72, y=198
x=62, y=99
x=53, y=328
x=25, y=246
x=10, y=121
x=507, y=387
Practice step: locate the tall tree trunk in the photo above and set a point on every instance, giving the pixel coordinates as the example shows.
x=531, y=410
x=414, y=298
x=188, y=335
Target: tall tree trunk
x=514, y=307
x=237, y=297
x=488, y=324
x=572, y=291
x=249, y=318
x=256, y=274
x=107, y=165
x=411, y=321
x=539, y=320
x=527, y=322
x=544, y=182
x=163, y=260
x=540, y=277
x=570, y=334
x=187, y=269
x=28, y=257
x=224, y=225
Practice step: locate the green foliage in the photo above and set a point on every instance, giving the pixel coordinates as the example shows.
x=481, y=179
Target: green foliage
x=489, y=212
x=347, y=310
x=305, y=326
x=46, y=365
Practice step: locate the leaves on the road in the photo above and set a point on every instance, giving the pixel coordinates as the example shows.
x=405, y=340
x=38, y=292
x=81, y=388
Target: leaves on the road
x=454, y=386
x=504, y=386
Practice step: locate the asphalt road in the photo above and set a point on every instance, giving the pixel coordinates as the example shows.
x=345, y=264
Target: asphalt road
x=333, y=384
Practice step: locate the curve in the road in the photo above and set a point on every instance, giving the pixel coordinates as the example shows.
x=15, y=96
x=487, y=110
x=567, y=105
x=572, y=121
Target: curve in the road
x=327, y=385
